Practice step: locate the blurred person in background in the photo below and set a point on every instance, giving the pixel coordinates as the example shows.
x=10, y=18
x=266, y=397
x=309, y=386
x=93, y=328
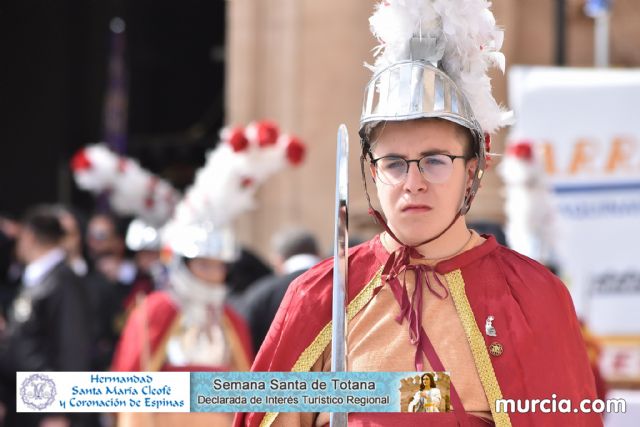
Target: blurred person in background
x=103, y=296
x=107, y=251
x=187, y=327
x=10, y=273
x=108, y=255
x=49, y=323
x=294, y=251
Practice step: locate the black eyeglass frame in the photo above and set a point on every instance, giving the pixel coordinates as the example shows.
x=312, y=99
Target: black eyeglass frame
x=417, y=161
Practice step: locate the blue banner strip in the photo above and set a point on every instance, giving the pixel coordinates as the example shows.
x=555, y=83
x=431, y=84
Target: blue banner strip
x=590, y=188
x=311, y=391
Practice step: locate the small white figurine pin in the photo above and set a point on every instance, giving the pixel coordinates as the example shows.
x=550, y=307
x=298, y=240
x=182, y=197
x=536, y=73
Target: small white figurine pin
x=488, y=327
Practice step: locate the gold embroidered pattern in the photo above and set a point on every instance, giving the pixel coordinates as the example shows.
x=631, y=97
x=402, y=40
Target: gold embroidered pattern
x=478, y=348
x=268, y=419
x=311, y=354
x=315, y=349
x=364, y=296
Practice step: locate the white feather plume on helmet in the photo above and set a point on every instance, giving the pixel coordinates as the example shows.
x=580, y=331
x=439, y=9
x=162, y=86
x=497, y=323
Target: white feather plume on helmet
x=132, y=190
x=460, y=36
x=225, y=187
x=94, y=168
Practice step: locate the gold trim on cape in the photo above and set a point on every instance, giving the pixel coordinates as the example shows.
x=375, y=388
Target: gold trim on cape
x=160, y=355
x=478, y=347
x=311, y=354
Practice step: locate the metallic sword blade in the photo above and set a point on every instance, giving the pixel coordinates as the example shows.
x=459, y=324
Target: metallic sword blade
x=340, y=266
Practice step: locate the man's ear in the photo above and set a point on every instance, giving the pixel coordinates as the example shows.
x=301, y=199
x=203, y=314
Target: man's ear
x=372, y=169
x=472, y=165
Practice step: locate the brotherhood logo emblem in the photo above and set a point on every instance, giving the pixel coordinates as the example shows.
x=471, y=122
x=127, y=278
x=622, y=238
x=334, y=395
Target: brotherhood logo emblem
x=38, y=391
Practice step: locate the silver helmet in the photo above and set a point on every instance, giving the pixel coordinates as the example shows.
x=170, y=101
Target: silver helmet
x=410, y=90
x=203, y=240
x=142, y=236
x=417, y=89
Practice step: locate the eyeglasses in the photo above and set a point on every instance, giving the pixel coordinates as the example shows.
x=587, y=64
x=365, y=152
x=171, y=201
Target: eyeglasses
x=435, y=168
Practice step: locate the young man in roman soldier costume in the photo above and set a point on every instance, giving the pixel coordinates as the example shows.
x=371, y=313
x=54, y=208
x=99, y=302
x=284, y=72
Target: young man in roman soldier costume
x=190, y=327
x=429, y=293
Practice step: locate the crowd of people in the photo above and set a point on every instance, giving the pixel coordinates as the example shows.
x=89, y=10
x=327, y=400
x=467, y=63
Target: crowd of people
x=75, y=297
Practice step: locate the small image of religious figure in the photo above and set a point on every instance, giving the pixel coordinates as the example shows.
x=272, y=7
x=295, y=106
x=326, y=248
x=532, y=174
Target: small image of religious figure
x=428, y=392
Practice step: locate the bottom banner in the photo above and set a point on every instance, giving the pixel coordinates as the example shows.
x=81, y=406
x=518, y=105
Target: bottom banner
x=233, y=392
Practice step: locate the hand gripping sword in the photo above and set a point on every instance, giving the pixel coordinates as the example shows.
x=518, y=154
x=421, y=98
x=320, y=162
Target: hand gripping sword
x=340, y=266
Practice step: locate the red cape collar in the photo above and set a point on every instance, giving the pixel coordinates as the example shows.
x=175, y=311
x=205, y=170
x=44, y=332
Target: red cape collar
x=448, y=265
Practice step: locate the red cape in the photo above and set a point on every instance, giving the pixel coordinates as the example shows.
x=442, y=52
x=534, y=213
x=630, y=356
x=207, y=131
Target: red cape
x=544, y=353
x=161, y=311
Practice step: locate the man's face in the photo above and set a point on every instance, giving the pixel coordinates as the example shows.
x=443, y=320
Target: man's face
x=209, y=270
x=417, y=210
x=102, y=239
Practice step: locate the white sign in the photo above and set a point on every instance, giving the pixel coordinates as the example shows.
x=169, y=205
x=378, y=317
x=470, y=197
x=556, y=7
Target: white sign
x=585, y=125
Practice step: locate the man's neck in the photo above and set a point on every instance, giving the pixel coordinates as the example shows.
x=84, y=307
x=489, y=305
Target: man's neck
x=37, y=269
x=445, y=246
x=38, y=252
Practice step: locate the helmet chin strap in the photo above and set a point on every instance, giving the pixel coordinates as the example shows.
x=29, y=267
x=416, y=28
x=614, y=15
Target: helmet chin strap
x=466, y=203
